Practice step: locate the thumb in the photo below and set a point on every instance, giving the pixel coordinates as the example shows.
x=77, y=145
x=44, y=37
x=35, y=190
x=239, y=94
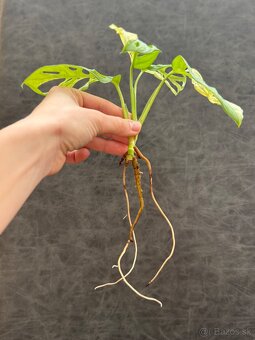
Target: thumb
x=118, y=126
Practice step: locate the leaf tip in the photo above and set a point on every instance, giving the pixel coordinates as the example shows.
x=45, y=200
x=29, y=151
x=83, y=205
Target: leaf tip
x=113, y=27
x=239, y=123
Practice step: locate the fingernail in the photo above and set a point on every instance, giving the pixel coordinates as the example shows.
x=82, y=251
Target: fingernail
x=135, y=126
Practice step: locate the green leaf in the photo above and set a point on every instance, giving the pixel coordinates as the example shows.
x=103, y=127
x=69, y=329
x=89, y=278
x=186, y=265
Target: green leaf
x=143, y=55
x=139, y=46
x=178, y=83
x=158, y=67
x=70, y=74
x=179, y=64
x=175, y=82
x=125, y=36
x=234, y=111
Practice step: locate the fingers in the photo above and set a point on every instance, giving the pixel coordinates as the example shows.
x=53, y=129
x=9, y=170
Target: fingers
x=104, y=124
x=107, y=146
x=77, y=156
x=63, y=96
x=97, y=144
x=90, y=101
x=83, y=99
x=110, y=136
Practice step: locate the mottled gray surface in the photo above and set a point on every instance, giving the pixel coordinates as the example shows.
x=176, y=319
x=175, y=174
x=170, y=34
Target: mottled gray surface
x=70, y=231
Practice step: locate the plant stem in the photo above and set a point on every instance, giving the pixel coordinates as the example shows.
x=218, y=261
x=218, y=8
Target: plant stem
x=132, y=93
x=151, y=101
x=122, y=102
x=131, y=145
x=135, y=86
x=131, y=140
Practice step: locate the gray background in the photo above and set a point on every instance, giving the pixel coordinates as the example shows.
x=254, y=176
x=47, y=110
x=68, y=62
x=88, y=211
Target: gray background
x=68, y=234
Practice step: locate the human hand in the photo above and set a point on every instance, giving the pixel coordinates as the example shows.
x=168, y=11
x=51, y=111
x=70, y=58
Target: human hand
x=81, y=121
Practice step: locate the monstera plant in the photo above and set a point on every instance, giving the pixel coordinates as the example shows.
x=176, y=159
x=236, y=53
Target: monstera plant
x=173, y=75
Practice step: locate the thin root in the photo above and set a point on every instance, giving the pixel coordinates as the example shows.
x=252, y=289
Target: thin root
x=140, y=155
x=116, y=266
x=125, y=280
x=123, y=277
x=130, y=223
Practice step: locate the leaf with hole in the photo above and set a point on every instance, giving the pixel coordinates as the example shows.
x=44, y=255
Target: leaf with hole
x=68, y=75
x=175, y=82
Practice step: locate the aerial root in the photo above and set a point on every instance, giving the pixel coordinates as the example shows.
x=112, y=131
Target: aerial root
x=146, y=160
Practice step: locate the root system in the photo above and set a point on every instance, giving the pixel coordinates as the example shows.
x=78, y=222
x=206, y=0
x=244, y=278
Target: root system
x=132, y=237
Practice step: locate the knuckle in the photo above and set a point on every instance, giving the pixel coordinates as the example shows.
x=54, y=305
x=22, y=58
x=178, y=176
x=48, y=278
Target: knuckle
x=119, y=125
x=124, y=124
x=77, y=96
x=97, y=123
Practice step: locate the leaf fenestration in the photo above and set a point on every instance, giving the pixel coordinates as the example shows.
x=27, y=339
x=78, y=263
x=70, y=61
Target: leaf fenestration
x=175, y=82
x=71, y=75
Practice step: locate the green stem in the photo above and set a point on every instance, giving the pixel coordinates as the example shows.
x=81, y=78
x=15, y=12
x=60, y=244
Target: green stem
x=131, y=140
x=151, y=101
x=135, y=85
x=122, y=102
x=131, y=145
x=132, y=92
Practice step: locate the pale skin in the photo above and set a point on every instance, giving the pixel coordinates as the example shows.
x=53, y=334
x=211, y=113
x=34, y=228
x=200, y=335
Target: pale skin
x=63, y=128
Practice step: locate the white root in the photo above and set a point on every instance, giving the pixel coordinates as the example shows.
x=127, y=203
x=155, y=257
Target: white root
x=115, y=266
x=162, y=213
x=130, y=224
x=123, y=277
x=125, y=280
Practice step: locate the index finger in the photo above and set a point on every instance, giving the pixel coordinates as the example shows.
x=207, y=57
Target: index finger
x=90, y=101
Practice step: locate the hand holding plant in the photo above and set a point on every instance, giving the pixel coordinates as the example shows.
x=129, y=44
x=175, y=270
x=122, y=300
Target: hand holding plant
x=82, y=121
x=173, y=75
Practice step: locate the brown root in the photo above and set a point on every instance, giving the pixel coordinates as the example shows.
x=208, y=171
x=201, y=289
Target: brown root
x=137, y=176
x=146, y=160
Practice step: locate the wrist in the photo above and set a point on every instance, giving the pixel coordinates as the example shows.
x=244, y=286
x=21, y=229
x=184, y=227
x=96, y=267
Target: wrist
x=28, y=149
x=44, y=146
